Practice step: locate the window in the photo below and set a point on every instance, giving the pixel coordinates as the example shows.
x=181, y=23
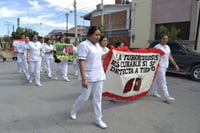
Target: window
x=183, y=26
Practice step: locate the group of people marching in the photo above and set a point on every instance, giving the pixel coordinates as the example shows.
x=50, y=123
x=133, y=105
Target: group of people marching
x=90, y=54
x=36, y=56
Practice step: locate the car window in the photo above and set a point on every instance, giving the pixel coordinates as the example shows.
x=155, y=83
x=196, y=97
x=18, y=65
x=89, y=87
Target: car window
x=174, y=47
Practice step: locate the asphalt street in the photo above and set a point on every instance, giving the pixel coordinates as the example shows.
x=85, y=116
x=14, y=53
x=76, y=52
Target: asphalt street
x=27, y=108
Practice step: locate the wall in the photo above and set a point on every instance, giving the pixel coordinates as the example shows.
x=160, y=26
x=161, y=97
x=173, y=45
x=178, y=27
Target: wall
x=170, y=11
x=141, y=23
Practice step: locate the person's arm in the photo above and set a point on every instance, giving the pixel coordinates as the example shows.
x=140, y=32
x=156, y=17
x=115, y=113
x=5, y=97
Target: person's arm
x=173, y=62
x=82, y=72
x=28, y=55
x=104, y=56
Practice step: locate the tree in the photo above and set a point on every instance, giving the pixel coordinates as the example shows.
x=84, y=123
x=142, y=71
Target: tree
x=171, y=31
x=23, y=31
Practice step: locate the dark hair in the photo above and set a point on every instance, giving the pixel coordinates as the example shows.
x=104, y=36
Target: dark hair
x=46, y=40
x=118, y=43
x=162, y=35
x=91, y=30
x=102, y=37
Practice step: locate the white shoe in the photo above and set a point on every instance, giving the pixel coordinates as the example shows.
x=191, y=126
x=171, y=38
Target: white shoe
x=56, y=78
x=39, y=84
x=67, y=80
x=30, y=81
x=76, y=73
x=101, y=124
x=155, y=94
x=168, y=99
x=73, y=115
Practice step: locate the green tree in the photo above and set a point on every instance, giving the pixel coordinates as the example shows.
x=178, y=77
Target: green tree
x=101, y=28
x=171, y=31
x=23, y=31
x=7, y=38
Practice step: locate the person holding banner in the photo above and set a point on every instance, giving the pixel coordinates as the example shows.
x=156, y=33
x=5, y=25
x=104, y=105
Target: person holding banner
x=91, y=75
x=63, y=64
x=160, y=80
x=103, y=43
x=34, y=54
x=48, y=55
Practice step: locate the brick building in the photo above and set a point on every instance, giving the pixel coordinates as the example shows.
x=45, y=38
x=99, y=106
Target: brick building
x=116, y=21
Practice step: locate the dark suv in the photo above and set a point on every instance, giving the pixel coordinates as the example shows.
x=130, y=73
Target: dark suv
x=187, y=59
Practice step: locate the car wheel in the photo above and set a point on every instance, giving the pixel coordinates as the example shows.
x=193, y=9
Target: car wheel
x=196, y=73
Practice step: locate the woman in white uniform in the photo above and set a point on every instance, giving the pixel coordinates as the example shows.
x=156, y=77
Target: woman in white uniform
x=91, y=75
x=103, y=43
x=75, y=61
x=24, y=61
x=20, y=54
x=62, y=65
x=160, y=80
x=48, y=56
x=34, y=54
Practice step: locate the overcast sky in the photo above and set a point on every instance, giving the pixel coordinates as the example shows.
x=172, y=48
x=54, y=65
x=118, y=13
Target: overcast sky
x=43, y=15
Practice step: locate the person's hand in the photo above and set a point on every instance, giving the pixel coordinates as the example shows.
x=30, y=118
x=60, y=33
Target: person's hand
x=28, y=61
x=177, y=67
x=84, y=84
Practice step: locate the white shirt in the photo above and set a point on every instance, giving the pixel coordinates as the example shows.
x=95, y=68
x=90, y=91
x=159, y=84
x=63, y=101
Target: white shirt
x=25, y=47
x=48, y=48
x=92, y=55
x=20, y=47
x=35, y=51
x=164, y=61
x=104, y=50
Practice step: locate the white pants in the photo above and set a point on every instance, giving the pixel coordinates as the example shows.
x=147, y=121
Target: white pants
x=160, y=81
x=75, y=66
x=63, y=65
x=34, y=69
x=25, y=65
x=19, y=62
x=96, y=89
x=48, y=62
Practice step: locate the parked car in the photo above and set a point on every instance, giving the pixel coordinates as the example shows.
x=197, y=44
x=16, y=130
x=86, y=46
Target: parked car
x=187, y=59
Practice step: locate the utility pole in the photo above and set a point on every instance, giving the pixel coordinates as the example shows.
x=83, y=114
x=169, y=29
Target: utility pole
x=102, y=17
x=75, y=19
x=67, y=14
x=8, y=26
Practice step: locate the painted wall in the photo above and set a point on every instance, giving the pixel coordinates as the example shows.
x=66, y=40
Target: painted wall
x=170, y=11
x=141, y=23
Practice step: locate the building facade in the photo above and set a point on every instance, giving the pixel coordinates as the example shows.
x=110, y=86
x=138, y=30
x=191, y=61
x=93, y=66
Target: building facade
x=115, y=20
x=149, y=15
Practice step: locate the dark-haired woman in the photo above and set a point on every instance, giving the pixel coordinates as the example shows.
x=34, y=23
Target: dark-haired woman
x=160, y=80
x=103, y=43
x=48, y=55
x=91, y=75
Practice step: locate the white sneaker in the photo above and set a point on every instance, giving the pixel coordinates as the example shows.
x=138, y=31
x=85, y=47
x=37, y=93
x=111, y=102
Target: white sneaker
x=39, y=84
x=73, y=115
x=155, y=94
x=168, y=99
x=67, y=80
x=101, y=124
x=30, y=81
x=56, y=78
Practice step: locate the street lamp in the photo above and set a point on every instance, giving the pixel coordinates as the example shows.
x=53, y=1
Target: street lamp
x=67, y=14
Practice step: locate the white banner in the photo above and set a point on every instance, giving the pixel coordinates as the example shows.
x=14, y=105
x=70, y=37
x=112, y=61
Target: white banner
x=129, y=74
